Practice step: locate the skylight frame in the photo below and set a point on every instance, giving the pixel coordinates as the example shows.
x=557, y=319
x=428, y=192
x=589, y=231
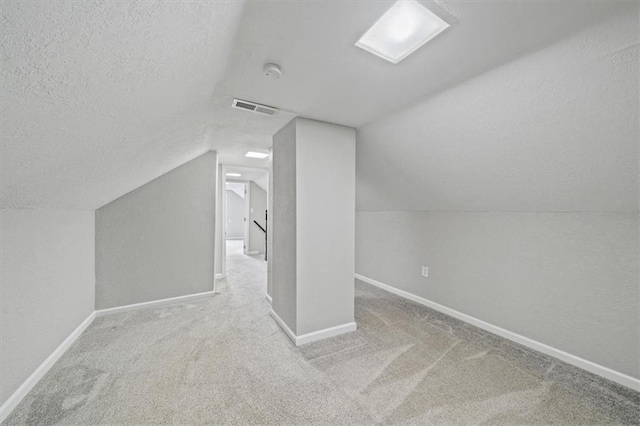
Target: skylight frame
x=383, y=27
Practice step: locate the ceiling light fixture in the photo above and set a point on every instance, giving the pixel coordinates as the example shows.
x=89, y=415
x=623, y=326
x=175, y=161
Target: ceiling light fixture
x=405, y=27
x=254, y=154
x=234, y=174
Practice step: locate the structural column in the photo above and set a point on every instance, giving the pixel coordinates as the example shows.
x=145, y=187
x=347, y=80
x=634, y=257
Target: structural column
x=312, y=220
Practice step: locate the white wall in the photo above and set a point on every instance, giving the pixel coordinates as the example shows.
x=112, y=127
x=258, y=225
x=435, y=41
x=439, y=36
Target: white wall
x=519, y=190
x=47, y=286
x=157, y=242
x=258, y=201
x=263, y=182
x=282, y=221
x=235, y=215
x=270, y=227
x=221, y=206
x=325, y=205
x=313, y=225
x=569, y=280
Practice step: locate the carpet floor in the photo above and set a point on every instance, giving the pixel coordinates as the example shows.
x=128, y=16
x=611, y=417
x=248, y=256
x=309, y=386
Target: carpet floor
x=223, y=360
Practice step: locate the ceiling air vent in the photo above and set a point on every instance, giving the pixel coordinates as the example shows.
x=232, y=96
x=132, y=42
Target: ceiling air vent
x=250, y=106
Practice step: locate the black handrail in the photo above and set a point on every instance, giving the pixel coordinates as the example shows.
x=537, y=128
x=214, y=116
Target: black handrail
x=266, y=221
x=260, y=226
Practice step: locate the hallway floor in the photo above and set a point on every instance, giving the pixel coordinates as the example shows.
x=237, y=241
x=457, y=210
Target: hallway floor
x=223, y=360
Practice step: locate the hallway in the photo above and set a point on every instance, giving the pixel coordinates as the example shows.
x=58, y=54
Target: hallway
x=247, y=274
x=223, y=360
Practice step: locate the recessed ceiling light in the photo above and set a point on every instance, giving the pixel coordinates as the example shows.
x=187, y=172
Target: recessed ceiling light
x=234, y=174
x=405, y=27
x=253, y=154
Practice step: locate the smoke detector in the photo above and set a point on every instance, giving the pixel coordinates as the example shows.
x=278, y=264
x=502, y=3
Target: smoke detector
x=272, y=71
x=251, y=106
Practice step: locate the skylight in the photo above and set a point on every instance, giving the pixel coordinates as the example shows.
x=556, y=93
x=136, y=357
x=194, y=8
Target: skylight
x=254, y=154
x=405, y=27
x=234, y=174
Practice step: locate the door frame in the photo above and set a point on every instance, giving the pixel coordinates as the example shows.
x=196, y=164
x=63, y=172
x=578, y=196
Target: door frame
x=222, y=220
x=247, y=217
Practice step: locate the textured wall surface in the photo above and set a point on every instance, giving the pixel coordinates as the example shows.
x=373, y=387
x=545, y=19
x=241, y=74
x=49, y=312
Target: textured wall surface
x=569, y=280
x=325, y=206
x=158, y=241
x=519, y=190
x=283, y=225
x=270, y=227
x=312, y=211
x=47, y=284
x=221, y=205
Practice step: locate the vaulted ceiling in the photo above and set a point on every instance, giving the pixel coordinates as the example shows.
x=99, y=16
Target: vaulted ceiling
x=326, y=77
x=554, y=131
x=99, y=98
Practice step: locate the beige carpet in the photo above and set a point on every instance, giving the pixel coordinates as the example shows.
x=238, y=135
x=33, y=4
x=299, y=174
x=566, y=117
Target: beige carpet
x=224, y=361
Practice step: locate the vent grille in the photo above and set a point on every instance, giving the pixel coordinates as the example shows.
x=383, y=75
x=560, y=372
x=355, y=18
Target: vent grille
x=250, y=106
x=263, y=110
x=244, y=105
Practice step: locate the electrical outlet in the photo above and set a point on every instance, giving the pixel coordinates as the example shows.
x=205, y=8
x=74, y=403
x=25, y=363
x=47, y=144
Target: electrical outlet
x=425, y=271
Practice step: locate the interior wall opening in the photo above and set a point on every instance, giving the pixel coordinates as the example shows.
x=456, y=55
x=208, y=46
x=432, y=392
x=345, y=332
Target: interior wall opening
x=245, y=214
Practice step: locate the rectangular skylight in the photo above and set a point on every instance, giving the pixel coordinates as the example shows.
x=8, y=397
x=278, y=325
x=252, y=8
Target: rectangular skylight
x=253, y=154
x=405, y=27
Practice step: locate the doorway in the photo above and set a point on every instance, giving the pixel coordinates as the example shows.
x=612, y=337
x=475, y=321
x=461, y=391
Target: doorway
x=244, y=213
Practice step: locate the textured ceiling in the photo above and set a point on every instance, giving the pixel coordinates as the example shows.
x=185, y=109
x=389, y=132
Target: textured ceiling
x=325, y=77
x=99, y=98
x=554, y=131
x=237, y=131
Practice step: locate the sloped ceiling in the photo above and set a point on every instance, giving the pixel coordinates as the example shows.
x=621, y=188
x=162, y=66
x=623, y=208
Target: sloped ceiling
x=237, y=187
x=326, y=77
x=555, y=131
x=99, y=98
x=247, y=173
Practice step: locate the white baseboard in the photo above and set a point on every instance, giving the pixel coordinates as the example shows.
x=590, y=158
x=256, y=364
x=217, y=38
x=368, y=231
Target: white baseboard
x=326, y=333
x=269, y=299
x=153, y=303
x=316, y=335
x=28, y=384
x=283, y=325
x=589, y=366
x=35, y=377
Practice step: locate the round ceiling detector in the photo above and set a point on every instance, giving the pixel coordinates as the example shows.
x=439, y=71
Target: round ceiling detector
x=272, y=71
